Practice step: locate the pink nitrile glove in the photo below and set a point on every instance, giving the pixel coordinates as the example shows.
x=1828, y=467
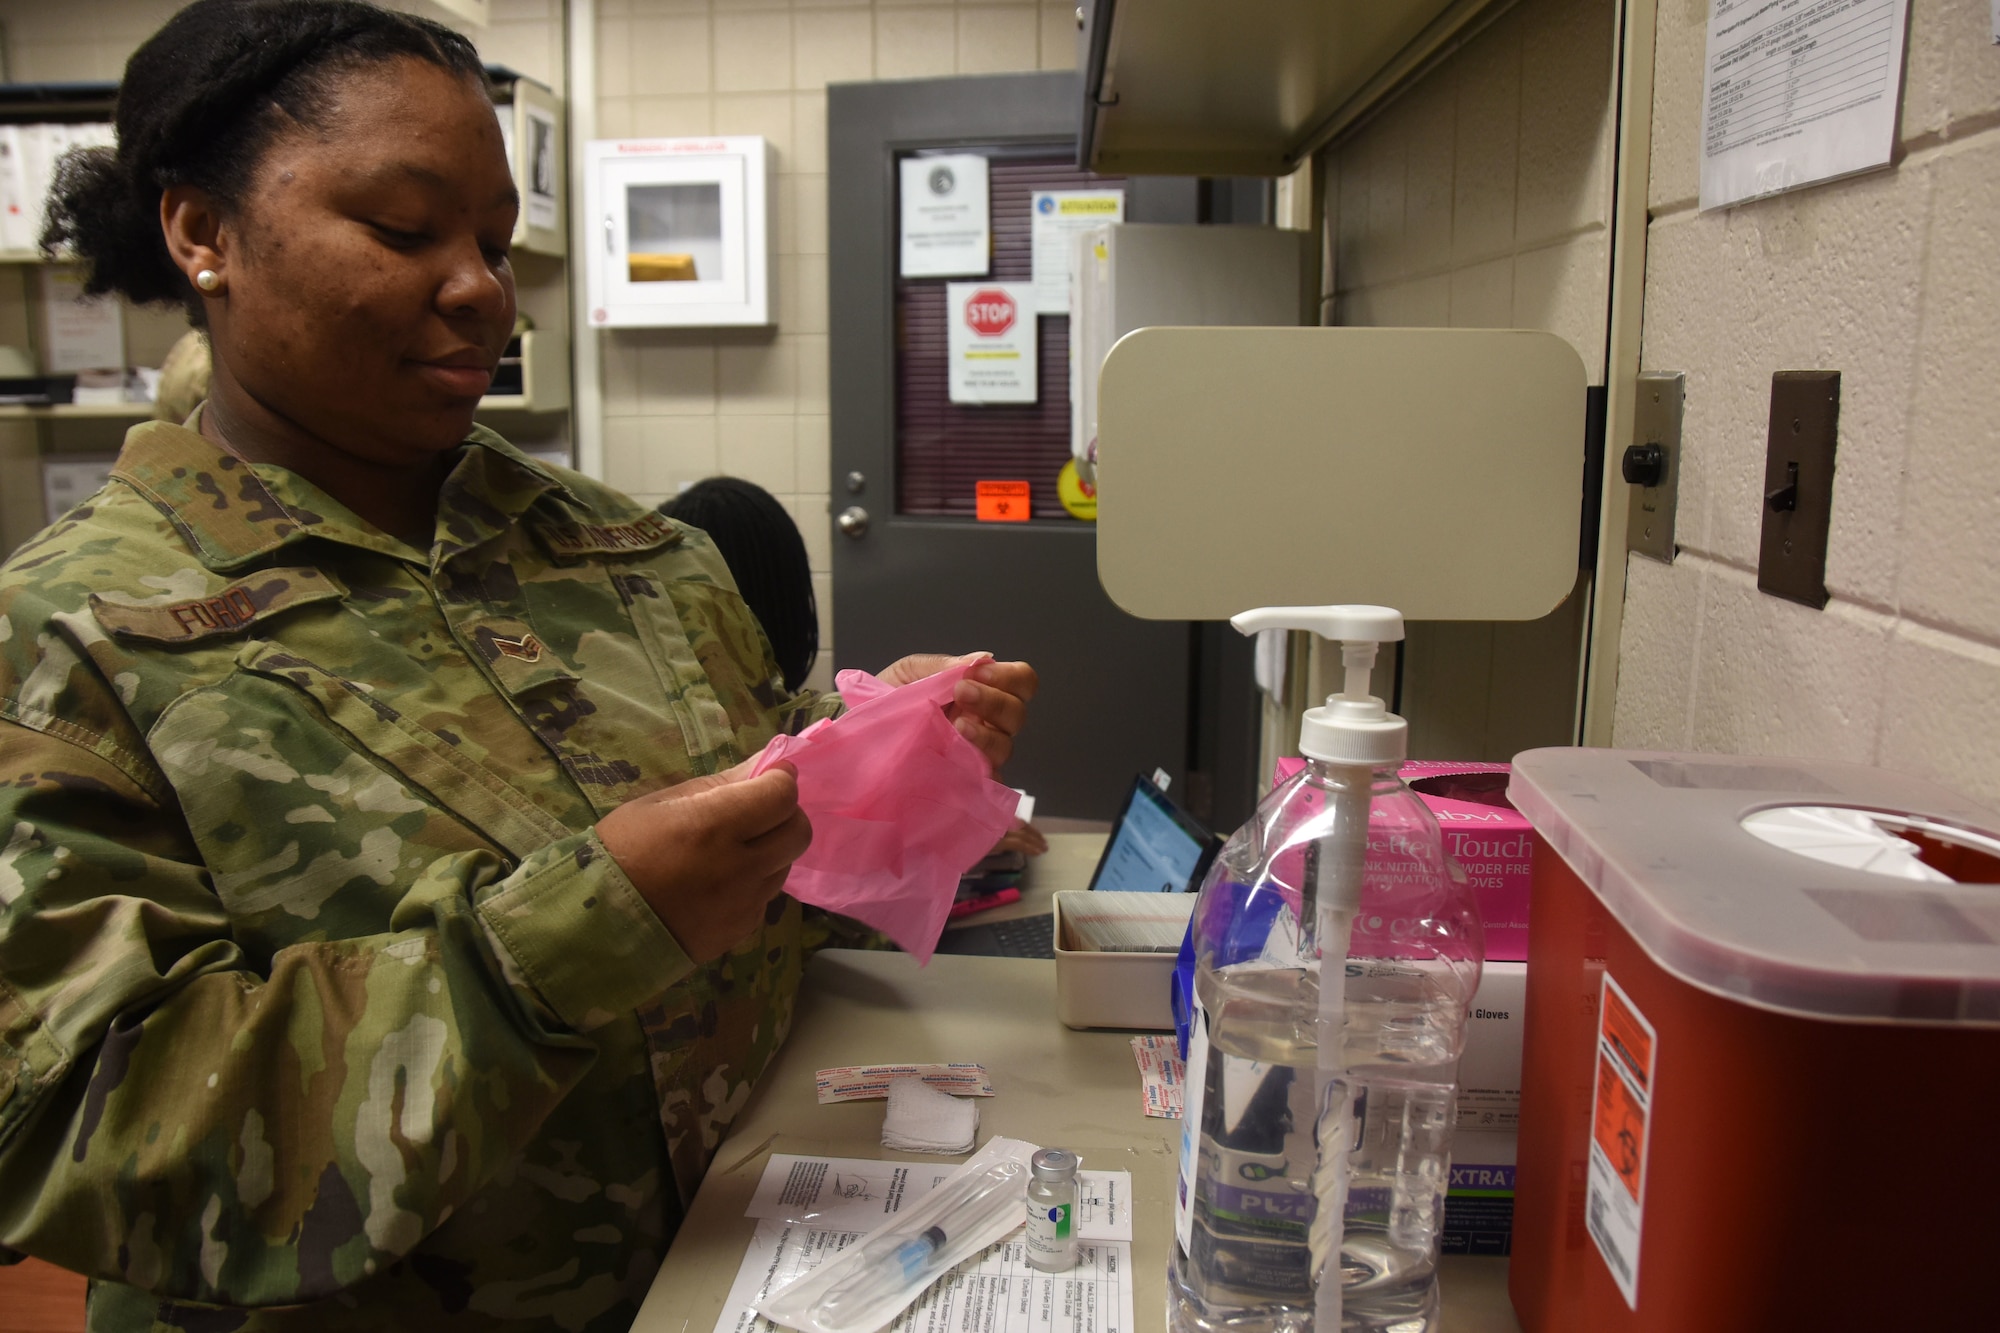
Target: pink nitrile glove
x=901, y=805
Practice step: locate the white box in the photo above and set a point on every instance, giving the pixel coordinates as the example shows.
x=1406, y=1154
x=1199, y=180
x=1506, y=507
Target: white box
x=1489, y=1073
x=679, y=232
x=1117, y=990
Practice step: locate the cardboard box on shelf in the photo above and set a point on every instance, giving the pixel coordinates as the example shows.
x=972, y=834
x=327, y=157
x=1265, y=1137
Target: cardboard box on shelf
x=1486, y=836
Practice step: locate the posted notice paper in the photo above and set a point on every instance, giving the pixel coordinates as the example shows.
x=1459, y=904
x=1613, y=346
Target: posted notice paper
x=990, y=342
x=946, y=225
x=1798, y=91
x=1056, y=216
x=838, y=1200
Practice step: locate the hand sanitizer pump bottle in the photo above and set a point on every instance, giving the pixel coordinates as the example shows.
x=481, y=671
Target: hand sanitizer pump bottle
x=1336, y=952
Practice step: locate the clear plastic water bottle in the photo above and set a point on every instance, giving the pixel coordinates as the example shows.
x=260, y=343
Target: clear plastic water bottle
x=1318, y=1116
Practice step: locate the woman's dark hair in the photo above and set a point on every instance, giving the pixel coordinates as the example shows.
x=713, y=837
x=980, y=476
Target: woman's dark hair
x=767, y=557
x=199, y=104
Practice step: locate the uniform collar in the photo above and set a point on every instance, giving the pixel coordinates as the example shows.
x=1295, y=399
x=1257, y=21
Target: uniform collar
x=231, y=513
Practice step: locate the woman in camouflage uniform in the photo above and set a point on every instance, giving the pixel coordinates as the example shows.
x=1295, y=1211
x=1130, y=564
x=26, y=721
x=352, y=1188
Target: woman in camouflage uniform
x=388, y=931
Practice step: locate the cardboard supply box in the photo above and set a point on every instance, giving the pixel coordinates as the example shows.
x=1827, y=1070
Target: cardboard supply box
x=1485, y=835
x=1479, y=1204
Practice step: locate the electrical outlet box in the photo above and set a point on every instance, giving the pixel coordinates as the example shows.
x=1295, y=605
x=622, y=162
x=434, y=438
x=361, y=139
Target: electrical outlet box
x=1798, y=485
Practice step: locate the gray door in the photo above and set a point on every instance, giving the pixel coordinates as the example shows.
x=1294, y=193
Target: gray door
x=1116, y=693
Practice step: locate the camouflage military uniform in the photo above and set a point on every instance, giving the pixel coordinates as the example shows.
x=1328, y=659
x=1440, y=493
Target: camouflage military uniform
x=318, y=994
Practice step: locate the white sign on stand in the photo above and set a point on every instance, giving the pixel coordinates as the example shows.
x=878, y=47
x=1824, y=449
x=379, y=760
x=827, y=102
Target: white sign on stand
x=947, y=229
x=1797, y=92
x=991, y=342
x=1056, y=215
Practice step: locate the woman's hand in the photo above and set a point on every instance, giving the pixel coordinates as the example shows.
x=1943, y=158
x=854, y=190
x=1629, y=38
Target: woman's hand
x=988, y=707
x=710, y=854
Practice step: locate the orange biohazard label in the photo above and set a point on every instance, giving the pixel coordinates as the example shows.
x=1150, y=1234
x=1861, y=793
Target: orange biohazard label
x=1615, y=1195
x=1619, y=1128
x=1004, y=501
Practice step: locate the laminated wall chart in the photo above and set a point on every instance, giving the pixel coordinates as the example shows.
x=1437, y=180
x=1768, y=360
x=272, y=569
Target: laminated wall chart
x=1796, y=92
x=993, y=1292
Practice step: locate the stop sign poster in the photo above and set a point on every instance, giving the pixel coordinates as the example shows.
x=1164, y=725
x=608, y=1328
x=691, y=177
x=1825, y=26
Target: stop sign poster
x=992, y=341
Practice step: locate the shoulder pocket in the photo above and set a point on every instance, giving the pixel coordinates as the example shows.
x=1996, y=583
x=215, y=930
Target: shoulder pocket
x=230, y=610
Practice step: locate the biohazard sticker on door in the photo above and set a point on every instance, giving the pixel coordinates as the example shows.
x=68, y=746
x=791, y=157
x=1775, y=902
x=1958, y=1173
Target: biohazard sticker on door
x=1616, y=1197
x=1003, y=501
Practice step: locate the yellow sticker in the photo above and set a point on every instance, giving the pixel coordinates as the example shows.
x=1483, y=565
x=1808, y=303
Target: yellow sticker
x=1077, y=495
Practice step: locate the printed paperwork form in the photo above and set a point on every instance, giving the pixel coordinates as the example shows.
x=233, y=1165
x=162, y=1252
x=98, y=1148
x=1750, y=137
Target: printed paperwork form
x=810, y=1208
x=1798, y=91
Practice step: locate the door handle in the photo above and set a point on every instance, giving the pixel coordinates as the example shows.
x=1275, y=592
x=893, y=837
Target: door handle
x=610, y=235
x=853, y=521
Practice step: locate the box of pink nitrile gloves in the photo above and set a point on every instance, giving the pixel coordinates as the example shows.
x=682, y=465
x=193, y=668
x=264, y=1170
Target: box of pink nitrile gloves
x=1488, y=837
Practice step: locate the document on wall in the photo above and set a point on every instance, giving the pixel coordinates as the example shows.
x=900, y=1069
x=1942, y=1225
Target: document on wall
x=1056, y=216
x=990, y=342
x=1798, y=91
x=946, y=225
x=995, y=1292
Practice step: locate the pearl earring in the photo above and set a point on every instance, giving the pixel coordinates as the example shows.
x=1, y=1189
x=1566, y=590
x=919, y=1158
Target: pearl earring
x=208, y=280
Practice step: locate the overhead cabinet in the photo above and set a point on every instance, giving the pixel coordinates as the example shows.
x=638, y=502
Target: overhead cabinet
x=1247, y=87
x=681, y=232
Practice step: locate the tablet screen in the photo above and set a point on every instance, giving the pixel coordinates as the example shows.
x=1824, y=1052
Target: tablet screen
x=1154, y=849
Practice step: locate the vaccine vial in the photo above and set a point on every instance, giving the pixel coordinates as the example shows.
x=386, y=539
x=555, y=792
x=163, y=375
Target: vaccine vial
x=1052, y=1211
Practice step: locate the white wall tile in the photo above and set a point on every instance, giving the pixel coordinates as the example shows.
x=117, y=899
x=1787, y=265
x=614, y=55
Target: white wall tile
x=833, y=46
x=1423, y=303
x=1430, y=172
x=1680, y=45
x=758, y=377
x=669, y=55
x=1059, y=34
x=1568, y=119
x=809, y=133
x=1774, y=677
x=768, y=114
x=915, y=43
x=1656, y=668
x=815, y=456
x=761, y=449
x=1561, y=288
x=1951, y=500
x=1952, y=71
x=1482, y=295
x=666, y=117
x=812, y=369
x=614, y=57
x=678, y=452
x=625, y=454
x=753, y=52
x=1941, y=716
x=1487, y=144
x=675, y=375
x=810, y=305
x=809, y=210
x=998, y=39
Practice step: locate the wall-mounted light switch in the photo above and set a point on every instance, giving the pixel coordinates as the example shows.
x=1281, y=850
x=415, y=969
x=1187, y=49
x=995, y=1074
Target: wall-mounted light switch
x=1798, y=485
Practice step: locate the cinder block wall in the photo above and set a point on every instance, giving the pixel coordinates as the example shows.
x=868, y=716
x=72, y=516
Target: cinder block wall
x=1480, y=199
x=1893, y=279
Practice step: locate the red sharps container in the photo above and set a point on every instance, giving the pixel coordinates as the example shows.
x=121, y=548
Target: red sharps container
x=1761, y=1077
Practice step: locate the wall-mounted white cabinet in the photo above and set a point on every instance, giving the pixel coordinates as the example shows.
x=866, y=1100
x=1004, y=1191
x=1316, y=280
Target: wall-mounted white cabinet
x=680, y=232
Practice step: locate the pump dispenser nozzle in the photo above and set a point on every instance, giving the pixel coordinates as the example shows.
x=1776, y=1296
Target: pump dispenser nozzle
x=1353, y=727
